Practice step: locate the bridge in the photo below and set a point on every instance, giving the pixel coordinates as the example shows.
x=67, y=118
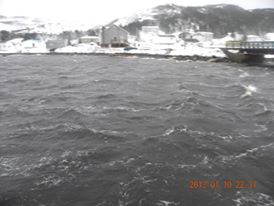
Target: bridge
x=254, y=47
x=248, y=51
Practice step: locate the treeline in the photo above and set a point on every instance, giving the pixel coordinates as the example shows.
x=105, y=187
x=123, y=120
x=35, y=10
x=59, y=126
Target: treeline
x=6, y=35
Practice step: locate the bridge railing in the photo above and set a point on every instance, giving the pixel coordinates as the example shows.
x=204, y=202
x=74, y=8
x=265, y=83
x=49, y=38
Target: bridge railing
x=233, y=44
x=250, y=44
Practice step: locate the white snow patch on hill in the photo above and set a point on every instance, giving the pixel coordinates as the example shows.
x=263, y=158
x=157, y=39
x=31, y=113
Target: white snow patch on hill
x=47, y=26
x=141, y=16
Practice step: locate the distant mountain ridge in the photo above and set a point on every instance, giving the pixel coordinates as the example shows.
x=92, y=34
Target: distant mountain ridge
x=14, y=23
x=219, y=19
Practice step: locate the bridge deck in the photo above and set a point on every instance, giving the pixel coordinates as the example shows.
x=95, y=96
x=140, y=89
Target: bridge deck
x=254, y=47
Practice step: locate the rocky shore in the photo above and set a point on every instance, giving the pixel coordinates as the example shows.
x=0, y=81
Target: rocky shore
x=140, y=55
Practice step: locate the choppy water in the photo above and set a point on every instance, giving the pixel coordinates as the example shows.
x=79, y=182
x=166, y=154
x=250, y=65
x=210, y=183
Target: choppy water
x=101, y=131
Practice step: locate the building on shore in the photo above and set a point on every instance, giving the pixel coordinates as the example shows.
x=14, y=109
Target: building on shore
x=194, y=37
x=113, y=36
x=54, y=44
x=203, y=36
x=89, y=39
x=11, y=46
x=186, y=35
x=34, y=46
x=269, y=37
x=19, y=45
x=152, y=38
x=148, y=33
x=150, y=29
x=253, y=38
x=165, y=41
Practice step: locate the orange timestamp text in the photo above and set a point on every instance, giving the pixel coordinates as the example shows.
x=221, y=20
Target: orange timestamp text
x=226, y=184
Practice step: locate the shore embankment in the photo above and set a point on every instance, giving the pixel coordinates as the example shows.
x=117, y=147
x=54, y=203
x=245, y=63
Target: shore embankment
x=140, y=55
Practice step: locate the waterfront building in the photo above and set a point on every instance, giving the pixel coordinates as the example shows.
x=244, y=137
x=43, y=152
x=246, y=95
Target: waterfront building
x=269, y=36
x=54, y=44
x=203, y=36
x=11, y=46
x=34, y=46
x=148, y=33
x=89, y=39
x=150, y=29
x=113, y=36
x=253, y=38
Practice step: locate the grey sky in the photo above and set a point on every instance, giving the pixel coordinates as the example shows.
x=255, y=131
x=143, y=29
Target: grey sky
x=102, y=11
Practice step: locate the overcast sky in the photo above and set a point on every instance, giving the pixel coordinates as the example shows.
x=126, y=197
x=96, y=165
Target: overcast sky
x=102, y=11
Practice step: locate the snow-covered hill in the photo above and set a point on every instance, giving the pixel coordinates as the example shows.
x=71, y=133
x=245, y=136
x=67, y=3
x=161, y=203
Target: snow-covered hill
x=36, y=25
x=219, y=19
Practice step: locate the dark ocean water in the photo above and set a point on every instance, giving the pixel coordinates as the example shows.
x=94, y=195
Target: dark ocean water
x=102, y=131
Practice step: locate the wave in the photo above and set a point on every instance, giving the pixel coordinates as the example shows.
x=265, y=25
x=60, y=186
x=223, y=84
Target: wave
x=243, y=75
x=167, y=203
x=238, y=89
x=15, y=81
x=71, y=114
x=249, y=90
x=174, y=105
x=94, y=136
x=248, y=152
x=122, y=108
x=50, y=181
x=106, y=96
x=245, y=198
x=6, y=95
x=187, y=130
x=265, y=113
x=101, y=155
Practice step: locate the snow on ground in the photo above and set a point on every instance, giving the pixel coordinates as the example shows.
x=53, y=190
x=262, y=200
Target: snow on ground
x=140, y=16
x=269, y=56
x=79, y=48
x=35, y=46
x=199, y=51
x=19, y=46
x=12, y=46
x=177, y=51
x=45, y=26
x=39, y=46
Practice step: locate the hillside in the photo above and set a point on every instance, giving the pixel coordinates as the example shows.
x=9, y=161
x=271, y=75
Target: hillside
x=219, y=19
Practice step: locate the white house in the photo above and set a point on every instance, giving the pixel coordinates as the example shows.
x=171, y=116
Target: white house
x=269, y=36
x=151, y=29
x=148, y=33
x=34, y=46
x=203, y=36
x=89, y=39
x=53, y=44
x=222, y=42
x=11, y=46
x=253, y=38
x=79, y=48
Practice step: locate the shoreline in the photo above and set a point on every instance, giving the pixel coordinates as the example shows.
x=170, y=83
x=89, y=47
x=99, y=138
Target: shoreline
x=183, y=58
x=139, y=55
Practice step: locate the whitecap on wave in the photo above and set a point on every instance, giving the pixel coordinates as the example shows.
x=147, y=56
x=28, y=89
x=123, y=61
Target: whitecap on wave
x=252, y=198
x=243, y=75
x=247, y=152
x=249, y=90
x=167, y=203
